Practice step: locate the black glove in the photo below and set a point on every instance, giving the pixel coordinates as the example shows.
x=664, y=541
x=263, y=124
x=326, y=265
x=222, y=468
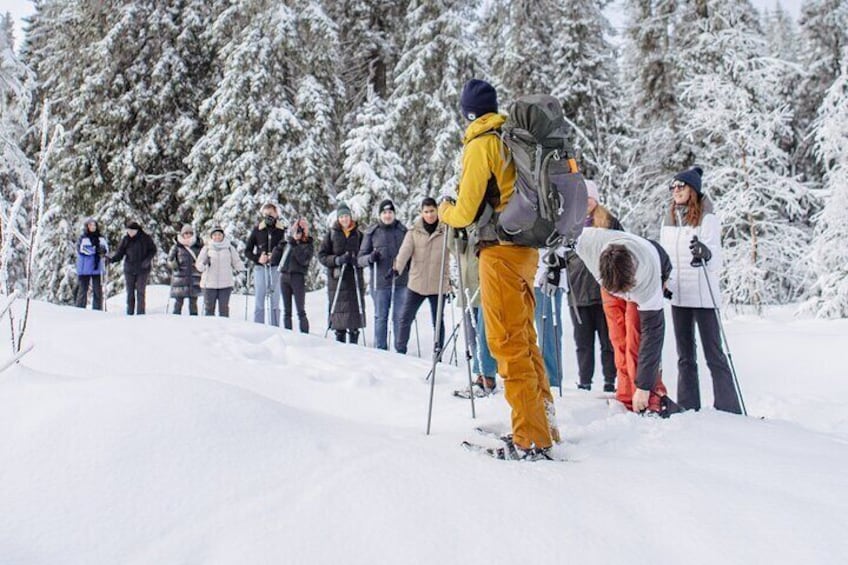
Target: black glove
x=340, y=260
x=700, y=252
x=552, y=278
x=351, y=258
x=375, y=256
x=391, y=274
x=101, y=250
x=667, y=294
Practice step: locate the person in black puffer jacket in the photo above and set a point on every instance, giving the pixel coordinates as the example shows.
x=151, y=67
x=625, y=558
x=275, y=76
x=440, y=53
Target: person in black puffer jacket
x=293, y=268
x=338, y=253
x=379, y=249
x=185, y=278
x=137, y=250
x=265, y=248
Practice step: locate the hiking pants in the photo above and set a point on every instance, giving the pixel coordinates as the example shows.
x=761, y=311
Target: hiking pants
x=219, y=295
x=412, y=301
x=294, y=287
x=508, y=302
x=594, y=321
x=551, y=345
x=96, y=291
x=136, y=287
x=625, y=333
x=192, y=305
x=688, y=389
x=482, y=362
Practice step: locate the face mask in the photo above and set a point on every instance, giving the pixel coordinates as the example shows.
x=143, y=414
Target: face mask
x=270, y=221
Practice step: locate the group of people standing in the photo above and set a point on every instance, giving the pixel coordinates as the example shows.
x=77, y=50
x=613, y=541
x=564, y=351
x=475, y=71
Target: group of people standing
x=615, y=283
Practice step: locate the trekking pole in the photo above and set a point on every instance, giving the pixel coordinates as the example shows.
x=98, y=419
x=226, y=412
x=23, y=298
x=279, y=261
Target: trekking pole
x=439, y=315
x=454, y=360
x=558, y=339
x=544, y=327
x=269, y=290
x=467, y=332
x=246, y=291
x=724, y=338
x=104, y=292
x=417, y=339
x=390, y=314
x=361, y=304
x=335, y=299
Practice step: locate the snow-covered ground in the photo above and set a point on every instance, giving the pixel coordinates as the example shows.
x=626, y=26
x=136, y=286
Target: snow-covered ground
x=164, y=439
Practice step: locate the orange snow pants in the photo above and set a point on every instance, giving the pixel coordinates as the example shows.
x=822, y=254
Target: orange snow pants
x=624, y=332
x=508, y=302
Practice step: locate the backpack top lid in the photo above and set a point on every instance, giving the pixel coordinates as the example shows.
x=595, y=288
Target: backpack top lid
x=537, y=119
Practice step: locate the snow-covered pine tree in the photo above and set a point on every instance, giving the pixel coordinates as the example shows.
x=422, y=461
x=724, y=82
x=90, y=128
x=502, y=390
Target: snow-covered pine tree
x=16, y=176
x=824, y=34
x=246, y=155
x=439, y=55
x=559, y=48
x=654, y=148
x=586, y=81
x=735, y=119
x=372, y=170
x=830, y=253
x=316, y=160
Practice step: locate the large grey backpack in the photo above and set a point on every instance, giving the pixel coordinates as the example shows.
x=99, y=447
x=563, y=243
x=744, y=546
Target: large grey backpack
x=548, y=206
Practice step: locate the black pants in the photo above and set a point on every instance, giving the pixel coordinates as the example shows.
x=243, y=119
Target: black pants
x=192, y=305
x=294, y=286
x=352, y=336
x=594, y=322
x=136, y=285
x=688, y=389
x=96, y=291
x=219, y=295
x=412, y=302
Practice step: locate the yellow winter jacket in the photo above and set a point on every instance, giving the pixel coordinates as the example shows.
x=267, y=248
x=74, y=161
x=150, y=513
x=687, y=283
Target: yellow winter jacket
x=484, y=177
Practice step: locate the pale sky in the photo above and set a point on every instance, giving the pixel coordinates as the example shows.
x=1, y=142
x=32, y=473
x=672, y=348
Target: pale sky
x=21, y=8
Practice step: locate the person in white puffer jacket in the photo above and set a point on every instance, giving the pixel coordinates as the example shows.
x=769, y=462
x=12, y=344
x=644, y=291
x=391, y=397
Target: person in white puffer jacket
x=691, y=235
x=217, y=262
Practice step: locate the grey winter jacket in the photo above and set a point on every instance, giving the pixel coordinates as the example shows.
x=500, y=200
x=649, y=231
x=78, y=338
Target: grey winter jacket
x=387, y=239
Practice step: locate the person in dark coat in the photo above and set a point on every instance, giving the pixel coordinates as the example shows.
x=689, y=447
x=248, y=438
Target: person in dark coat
x=338, y=253
x=380, y=247
x=91, y=247
x=585, y=295
x=137, y=250
x=264, y=247
x=293, y=268
x=185, y=278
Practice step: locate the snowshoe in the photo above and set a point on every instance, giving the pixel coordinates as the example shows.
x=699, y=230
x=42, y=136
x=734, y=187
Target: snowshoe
x=509, y=452
x=482, y=387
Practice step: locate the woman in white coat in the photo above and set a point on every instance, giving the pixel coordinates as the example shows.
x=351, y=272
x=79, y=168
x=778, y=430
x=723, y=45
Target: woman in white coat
x=691, y=235
x=217, y=261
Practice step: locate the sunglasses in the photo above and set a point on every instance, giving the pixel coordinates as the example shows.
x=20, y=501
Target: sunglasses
x=676, y=185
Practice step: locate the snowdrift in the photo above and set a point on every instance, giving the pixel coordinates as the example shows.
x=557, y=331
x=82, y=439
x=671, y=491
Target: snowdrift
x=165, y=439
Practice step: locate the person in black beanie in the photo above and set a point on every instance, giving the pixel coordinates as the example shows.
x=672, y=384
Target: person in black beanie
x=691, y=235
x=137, y=250
x=380, y=247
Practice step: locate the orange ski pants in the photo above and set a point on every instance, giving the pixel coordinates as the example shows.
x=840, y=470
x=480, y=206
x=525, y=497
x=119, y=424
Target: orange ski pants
x=624, y=332
x=508, y=302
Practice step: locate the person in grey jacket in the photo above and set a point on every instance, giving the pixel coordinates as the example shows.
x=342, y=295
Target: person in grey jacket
x=629, y=271
x=691, y=235
x=379, y=248
x=217, y=261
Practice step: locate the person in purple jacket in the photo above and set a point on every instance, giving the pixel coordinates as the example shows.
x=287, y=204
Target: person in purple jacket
x=91, y=248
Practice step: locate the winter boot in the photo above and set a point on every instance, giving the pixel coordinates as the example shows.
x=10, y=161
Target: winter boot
x=482, y=387
x=584, y=386
x=609, y=387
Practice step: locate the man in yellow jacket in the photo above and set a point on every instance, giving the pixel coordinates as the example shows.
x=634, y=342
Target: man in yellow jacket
x=506, y=272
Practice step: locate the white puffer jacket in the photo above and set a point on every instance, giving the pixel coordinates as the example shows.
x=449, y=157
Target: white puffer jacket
x=217, y=261
x=688, y=283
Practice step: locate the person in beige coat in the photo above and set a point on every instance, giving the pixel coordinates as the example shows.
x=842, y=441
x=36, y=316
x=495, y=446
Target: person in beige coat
x=422, y=249
x=217, y=261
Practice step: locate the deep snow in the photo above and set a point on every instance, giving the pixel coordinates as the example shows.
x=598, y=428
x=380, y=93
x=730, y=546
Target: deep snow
x=165, y=439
